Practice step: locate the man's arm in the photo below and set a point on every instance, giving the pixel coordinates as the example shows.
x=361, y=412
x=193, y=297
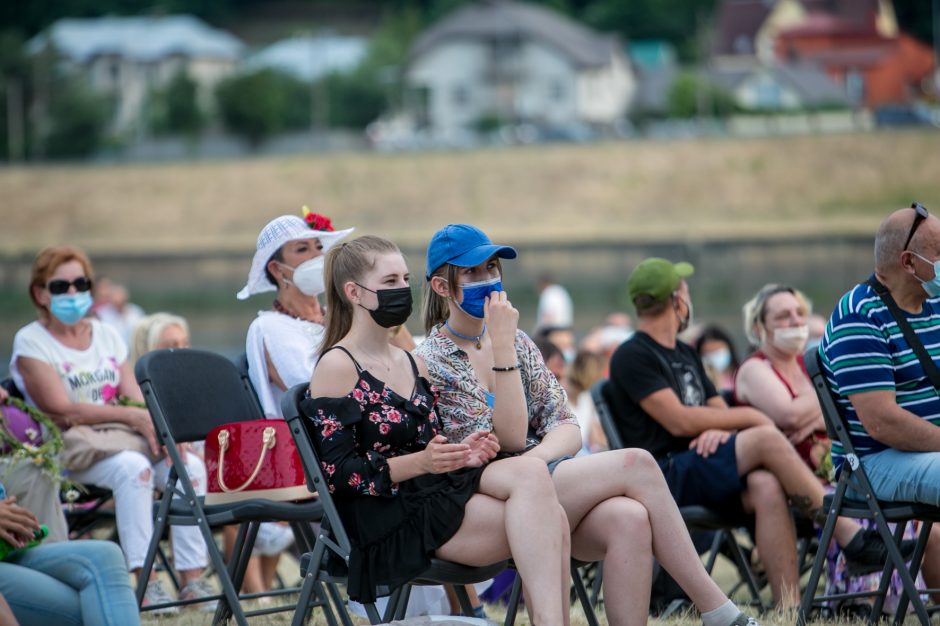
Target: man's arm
x=689, y=421
x=892, y=425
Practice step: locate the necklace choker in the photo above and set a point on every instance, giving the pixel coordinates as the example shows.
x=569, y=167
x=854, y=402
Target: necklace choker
x=467, y=337
x=280, y=308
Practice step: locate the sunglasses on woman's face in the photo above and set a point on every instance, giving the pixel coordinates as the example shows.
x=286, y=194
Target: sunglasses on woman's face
x=58, y=287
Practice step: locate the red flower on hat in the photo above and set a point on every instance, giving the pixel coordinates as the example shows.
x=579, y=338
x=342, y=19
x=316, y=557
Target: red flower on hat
x=317, y=221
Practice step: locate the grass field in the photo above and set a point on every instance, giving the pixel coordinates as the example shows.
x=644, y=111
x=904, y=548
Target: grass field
x=626, y=190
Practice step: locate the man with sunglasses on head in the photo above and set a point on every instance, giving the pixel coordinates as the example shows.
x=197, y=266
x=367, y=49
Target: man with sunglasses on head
x=728, y=459
x=882, y=389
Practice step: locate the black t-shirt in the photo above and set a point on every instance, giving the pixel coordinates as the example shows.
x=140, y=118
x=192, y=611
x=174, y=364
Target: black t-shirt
x=641, y=367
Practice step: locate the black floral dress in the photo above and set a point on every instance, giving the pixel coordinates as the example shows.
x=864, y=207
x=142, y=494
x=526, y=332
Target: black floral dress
x=394, y=527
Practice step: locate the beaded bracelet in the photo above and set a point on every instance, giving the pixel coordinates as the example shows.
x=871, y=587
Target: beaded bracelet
x=506, y=369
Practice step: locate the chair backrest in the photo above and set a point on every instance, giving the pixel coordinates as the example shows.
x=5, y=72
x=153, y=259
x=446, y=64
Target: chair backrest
x=335, y=538
x=193, y=391
x=836, y=425
x=12, y=389
x=599, y=393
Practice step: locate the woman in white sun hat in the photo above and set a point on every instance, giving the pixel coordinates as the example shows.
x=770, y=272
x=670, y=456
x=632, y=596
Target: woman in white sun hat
x=284, y=343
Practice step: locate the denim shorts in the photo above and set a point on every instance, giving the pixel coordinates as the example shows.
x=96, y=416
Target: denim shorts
x=553, y=464
x=903, y=476
x=711, y=482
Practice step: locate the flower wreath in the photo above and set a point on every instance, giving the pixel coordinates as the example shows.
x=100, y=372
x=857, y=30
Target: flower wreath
x=45, y=455
x=317, y=221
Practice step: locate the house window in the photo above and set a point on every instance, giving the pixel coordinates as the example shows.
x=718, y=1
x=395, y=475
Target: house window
x=743, y=45
x=768, y=94
x=460, y=96
x=855, y=86
x=114, y=71
x=557, y=91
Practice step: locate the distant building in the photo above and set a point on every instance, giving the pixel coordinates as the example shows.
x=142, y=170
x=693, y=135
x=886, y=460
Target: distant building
x=516, y=62
x=311, y=58
x=656, y=70
x=127, y=57
x=874, y=70
x=857, y=43
x=778, y=87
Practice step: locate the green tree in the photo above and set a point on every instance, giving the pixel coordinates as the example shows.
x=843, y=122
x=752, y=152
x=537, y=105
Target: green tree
x=691, y=95
x=174, y=108
x=263, y=103
x=78, y=120
x=355, y=100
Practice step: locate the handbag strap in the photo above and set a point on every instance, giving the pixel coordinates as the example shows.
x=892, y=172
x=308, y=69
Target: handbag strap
x=268, y=440
x=930, y=368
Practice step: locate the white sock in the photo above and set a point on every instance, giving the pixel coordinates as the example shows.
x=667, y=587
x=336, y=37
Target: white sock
x=722, y=616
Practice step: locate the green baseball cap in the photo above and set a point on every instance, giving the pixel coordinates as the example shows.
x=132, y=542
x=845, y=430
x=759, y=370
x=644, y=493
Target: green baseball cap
x=657, y=278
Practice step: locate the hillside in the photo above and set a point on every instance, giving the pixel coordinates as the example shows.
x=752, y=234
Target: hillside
x=629, y=190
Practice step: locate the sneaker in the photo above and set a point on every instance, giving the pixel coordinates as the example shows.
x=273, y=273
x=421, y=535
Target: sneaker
x=273, y=538
x=744, y=620
x=866, y=553
x=197, y=589
x=156, y=594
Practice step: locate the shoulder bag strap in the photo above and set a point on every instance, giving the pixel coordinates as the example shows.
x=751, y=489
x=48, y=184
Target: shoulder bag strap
x=930, y=368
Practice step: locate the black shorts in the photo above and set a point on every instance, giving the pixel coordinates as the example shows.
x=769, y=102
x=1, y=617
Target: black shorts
x=712, y=482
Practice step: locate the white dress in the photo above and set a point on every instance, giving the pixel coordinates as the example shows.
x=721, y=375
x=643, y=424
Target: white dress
x=294, y=348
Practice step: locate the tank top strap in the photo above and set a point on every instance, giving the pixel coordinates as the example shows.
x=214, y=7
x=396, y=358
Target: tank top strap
x=348, y=353
x=414, y=364
x=763, y=357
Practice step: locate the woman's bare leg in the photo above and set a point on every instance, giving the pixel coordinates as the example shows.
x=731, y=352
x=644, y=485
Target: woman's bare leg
x=584, y=482
x=618, y=532
x=517, y=513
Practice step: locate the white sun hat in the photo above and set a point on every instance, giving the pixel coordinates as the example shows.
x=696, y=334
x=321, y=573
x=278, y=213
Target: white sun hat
x=278, y=232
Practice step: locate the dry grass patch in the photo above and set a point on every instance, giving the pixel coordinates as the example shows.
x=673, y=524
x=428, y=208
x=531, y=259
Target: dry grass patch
x=688, y=188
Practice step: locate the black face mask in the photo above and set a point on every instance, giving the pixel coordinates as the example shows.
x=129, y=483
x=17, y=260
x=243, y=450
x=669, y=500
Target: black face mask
x=394, y=306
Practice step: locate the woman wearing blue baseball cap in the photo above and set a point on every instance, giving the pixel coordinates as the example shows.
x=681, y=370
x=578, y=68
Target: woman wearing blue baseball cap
x=490, y=376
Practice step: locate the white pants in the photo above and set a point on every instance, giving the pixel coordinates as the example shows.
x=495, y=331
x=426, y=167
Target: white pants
x=131, y=477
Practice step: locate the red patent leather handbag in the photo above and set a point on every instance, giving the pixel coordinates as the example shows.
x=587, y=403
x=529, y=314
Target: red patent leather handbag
x=254, y=459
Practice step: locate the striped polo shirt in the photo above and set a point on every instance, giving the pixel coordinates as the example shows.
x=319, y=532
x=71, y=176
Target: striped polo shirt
x=864, y=350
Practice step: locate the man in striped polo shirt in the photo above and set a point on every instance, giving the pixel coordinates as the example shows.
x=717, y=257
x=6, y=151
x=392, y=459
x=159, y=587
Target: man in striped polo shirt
x=892, y=408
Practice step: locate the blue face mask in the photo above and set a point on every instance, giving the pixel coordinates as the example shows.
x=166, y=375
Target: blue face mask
x=932, y=286
x=474, y=295
x=70, y=308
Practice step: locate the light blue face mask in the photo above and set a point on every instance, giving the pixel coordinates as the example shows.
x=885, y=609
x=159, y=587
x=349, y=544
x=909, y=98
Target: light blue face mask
x=932, y=286
x=474, y=295
x=70, y=308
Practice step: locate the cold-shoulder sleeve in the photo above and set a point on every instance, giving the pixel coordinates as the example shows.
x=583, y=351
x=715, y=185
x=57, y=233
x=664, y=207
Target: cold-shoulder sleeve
x=349, y=469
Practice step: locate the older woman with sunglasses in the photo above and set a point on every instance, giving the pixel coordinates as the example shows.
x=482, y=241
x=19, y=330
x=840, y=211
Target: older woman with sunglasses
x=76, y=370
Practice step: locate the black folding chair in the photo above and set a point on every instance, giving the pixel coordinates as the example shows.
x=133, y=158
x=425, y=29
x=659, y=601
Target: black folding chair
x=188, y=393
x=696, y=518
x=863, y=504
x=332, y=538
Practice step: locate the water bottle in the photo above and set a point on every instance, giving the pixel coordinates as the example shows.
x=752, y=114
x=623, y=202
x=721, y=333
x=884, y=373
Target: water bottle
x=6, y=549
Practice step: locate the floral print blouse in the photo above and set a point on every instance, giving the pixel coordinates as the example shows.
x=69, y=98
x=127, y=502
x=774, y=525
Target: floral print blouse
x=465, y=406
x=356, y=435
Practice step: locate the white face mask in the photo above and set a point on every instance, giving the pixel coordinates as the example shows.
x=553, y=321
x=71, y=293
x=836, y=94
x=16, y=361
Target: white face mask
x=791, y=338
x=718, y=360
x=308, y=276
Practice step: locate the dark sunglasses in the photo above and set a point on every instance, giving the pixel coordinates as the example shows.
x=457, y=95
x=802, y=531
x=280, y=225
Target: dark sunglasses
x=58, y=287
x=920, y=217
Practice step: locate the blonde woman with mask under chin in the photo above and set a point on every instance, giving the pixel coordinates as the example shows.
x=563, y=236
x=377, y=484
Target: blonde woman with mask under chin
x=773, y=378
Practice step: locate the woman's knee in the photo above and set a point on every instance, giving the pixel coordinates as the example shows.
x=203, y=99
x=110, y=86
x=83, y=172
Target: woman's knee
x=532, y=474
x=638, y=461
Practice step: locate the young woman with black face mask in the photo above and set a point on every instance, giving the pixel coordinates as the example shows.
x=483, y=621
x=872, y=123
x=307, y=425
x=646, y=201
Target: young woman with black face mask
x=490, y=375
x=405, y=491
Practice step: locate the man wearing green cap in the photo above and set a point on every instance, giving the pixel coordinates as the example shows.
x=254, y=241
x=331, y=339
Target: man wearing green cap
x=723, y=458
